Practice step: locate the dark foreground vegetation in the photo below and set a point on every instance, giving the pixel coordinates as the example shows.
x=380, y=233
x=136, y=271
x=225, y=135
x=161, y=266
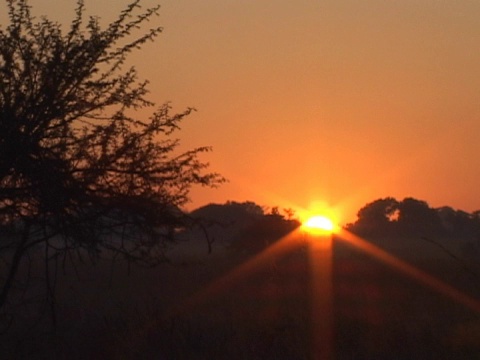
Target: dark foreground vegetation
x=88, y=164
x=112, y=311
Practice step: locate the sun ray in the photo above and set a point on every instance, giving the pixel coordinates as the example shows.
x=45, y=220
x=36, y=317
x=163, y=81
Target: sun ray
x=410, y=270
x=221, y=285
x=320, y=251
x=321, y=263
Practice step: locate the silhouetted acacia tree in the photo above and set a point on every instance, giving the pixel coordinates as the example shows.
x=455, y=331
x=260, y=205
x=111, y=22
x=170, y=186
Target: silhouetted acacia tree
x=79, y=169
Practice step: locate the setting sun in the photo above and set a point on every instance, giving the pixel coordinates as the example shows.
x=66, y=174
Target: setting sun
x=319, y=223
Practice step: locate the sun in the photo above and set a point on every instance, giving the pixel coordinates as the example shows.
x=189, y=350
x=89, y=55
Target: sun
x=320, y=218
x=319, y=224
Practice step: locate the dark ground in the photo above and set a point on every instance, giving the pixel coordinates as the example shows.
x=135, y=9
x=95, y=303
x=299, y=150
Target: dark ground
x=265, y=314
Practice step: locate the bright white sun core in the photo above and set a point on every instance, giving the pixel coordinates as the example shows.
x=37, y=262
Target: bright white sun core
x=319, y=223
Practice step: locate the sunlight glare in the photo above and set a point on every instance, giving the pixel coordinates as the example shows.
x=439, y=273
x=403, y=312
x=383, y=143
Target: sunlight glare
x=320, y=224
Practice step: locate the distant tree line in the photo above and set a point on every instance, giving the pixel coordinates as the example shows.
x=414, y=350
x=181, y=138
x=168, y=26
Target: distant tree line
x=246, y=226
x=414, y=218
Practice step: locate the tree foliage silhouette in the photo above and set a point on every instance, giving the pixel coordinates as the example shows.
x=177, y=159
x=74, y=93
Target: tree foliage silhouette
x=411, y=217
x=376, y=216
x=80, y=170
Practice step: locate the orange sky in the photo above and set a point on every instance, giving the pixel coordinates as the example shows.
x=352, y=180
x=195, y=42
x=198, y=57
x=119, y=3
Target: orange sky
x=338, y=101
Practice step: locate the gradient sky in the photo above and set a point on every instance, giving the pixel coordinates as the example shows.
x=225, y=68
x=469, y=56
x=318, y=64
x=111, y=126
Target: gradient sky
x=338, y=102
